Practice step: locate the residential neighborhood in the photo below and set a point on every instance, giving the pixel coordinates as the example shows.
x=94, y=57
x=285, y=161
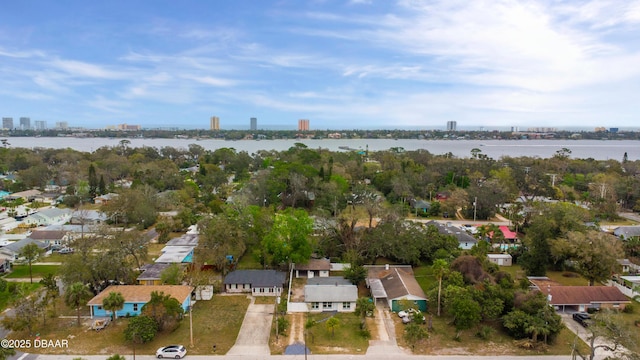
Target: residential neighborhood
x=224, y=260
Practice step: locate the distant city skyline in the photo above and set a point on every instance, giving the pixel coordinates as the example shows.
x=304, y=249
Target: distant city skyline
x=353, y=64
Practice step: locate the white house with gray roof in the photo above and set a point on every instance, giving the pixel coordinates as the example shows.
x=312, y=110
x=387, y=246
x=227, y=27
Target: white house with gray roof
x=50, y=216
x=256, y=282
x=332, y=293
x=627, y=232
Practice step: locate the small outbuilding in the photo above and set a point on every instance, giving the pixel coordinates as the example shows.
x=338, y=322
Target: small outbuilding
x=500, y=259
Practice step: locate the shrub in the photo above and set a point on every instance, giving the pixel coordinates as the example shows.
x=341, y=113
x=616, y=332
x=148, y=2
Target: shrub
x=629, y=309
x=309, y=324
x=283, y=324
x=143, y=327
x=485, y=332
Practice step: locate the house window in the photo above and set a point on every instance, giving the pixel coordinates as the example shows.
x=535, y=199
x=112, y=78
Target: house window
x=135, y=307
x=346, y=305
x=261, y=290
x=327, y=305
x=315, y=305
x=270, y=290
x=99, y=307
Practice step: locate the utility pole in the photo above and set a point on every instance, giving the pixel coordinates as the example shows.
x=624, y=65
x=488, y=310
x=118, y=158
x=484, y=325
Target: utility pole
x=475, y=206
x=553, y=179
x=275, y=290
x=190, y=323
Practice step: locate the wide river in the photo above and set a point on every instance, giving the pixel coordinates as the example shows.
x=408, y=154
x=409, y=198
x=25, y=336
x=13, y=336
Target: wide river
x=596, y=149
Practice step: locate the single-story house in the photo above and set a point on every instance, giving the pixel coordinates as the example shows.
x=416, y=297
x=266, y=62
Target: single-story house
x=27, y=195
x=627, y=232
x=581, y=298
x=184, y=240
x=314, y=268
x=257, y=282
x=332, y=293
x=627, y=267
x=136, y=296
x=176, y=254
x=13, y=249
x=8, y=224
x=5, y=262
x=54, y=238
x=465, y=240
x=420, y=206
x=105, y=199
x=500, y=259
x=152, y=273
x=395, y=284
x=88, y=217
x=50, y=216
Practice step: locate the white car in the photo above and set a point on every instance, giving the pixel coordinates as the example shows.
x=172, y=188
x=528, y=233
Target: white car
x=402, y=313
x=171, y=351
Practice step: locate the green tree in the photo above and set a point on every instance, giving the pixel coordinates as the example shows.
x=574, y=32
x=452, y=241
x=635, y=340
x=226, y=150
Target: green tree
x=165, y=310
x=355, y=273
x=6, y=353
x=332, y=324
x=173, y=275
x=112, y=303
x=141, y=329
x=288, y=239
x=27, y=311
x=440, y=268
x=52, y=290
x=30, y=253
x=77, y=295
x=595, y=254
x=466, y=312
x=364, y=307
x=414, y=333
x=116, y=357
x=613, y=336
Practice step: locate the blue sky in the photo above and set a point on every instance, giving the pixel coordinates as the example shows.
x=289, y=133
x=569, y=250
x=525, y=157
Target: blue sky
x=341, y=64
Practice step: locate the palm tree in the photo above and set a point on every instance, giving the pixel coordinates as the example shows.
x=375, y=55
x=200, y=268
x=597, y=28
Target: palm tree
x=113, y=302
x=77, y=295
x=440, y=268
x=332, y=324
x=30, y=252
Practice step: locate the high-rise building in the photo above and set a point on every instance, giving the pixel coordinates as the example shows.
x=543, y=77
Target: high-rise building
x=303, y=125
x=214, y=123
x=62, y=125
x=7, y=123
x=253, y=124
x=25, y=123
x=41, y=125
x=452, y=125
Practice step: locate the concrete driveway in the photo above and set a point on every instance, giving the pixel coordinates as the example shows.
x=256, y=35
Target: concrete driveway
x=253, y=338
x=584, y=334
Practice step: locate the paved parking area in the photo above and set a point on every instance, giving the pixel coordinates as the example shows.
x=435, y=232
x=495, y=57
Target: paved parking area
x=253, y=338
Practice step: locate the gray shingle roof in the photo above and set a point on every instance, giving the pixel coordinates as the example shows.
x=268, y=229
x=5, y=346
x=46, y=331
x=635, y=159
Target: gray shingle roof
x=257, y=278
x=330, y=293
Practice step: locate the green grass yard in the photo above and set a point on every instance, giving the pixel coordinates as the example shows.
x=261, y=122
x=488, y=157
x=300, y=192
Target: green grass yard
x=22, y=271
x=215, y=322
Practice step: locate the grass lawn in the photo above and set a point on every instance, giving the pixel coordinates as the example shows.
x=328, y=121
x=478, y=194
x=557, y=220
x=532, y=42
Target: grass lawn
x=346, y=338
x=441, y=341
x=247, y=261
x=22, y=271
x=216, y=322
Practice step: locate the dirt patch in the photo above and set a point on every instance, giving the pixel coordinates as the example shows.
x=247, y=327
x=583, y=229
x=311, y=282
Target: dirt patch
x=296, y=329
